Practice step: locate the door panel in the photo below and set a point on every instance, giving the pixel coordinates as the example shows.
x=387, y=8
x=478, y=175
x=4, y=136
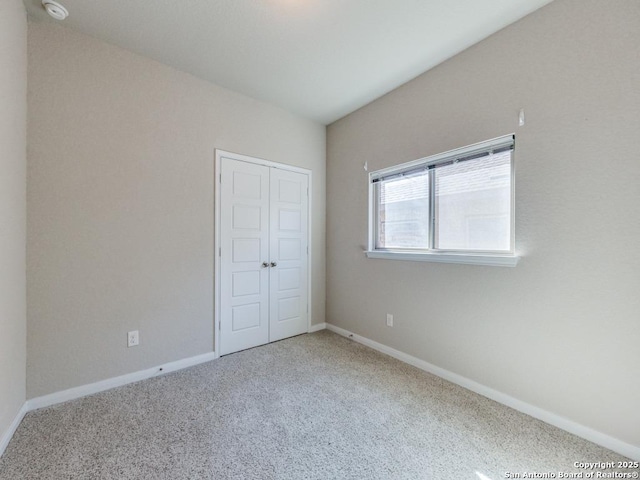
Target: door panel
x=245, y=317
x=245, y=283
x=288, y=246
x=264, y=254
x=244, y=234
x=288, y=191
x=289, y=278
x=290, y=220
x=246, y=217
x=246, y=250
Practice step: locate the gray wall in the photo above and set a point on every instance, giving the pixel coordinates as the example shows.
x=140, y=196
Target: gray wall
x=120, y=205
x=13, y=164
x=560, y=331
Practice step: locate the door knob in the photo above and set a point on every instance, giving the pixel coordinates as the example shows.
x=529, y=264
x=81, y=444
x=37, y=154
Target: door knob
x=274, y=264
x=265, y=264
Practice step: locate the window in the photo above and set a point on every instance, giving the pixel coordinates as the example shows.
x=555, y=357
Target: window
x=453, y=207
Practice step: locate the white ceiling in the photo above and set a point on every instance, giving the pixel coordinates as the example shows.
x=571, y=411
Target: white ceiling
x=321, y=59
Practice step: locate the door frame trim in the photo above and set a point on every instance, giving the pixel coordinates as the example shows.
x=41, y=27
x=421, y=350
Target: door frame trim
x=217, y=240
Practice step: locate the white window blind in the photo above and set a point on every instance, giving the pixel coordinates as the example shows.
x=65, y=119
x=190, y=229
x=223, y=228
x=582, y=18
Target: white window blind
x=459, y=201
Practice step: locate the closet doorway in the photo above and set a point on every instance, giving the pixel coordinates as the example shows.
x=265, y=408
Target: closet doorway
x=262, y=252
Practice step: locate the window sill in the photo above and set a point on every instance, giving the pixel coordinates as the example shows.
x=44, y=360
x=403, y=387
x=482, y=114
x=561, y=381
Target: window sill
x=463, y=258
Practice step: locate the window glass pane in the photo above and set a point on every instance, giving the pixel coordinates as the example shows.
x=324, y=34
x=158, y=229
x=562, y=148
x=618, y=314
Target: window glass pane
x=473, y=204
x=403, y=212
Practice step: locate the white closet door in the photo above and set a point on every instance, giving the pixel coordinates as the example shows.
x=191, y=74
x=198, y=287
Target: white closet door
x=288, y=254
x=244, y=235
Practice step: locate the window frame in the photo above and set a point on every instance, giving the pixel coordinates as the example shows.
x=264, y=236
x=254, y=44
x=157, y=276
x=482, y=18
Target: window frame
x=432, y=254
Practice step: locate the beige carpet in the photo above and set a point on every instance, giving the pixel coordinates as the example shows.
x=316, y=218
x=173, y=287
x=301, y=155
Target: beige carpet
x=312, y=407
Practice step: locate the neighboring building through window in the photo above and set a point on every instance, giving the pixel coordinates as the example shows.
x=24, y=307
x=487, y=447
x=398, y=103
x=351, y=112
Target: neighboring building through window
x=456, y=203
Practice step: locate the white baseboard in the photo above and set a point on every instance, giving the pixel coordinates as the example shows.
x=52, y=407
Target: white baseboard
x=8, y=434
x=90, y=389
x=599, y=438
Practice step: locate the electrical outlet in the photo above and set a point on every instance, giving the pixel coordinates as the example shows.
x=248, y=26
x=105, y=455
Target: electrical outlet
x=389, y=320
x=133, y=338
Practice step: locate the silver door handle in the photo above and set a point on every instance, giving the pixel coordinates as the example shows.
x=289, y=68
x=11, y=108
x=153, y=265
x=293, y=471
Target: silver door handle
x=274, y=264
x=265, y=264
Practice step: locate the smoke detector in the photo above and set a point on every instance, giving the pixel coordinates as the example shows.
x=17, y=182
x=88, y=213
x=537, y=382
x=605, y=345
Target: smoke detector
x=55, y=10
